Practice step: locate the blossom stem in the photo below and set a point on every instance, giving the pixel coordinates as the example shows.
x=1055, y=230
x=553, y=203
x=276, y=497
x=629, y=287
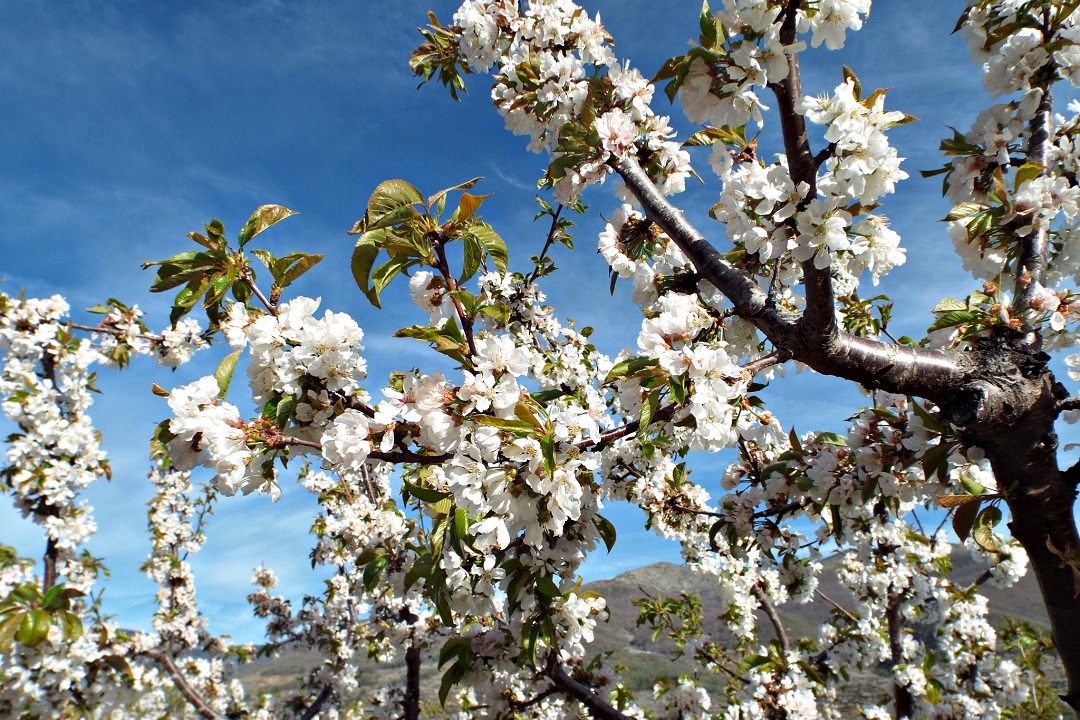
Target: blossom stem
x=245, y=275
x=451, y=285
x=115, y=332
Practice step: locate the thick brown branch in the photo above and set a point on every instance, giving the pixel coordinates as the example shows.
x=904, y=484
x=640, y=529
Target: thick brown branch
x=820, y=315
x=597, y=706
x=930, y=374
x=1035, y=247
x=750, y=301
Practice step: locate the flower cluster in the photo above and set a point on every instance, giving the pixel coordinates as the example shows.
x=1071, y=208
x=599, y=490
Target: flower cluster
x=543, y=83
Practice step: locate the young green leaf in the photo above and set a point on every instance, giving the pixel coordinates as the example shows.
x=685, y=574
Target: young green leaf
x=263, y=217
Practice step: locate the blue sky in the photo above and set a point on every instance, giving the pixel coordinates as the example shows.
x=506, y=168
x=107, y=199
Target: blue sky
x=128, y=124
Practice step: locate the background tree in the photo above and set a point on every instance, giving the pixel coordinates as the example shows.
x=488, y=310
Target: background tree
x=504, y=468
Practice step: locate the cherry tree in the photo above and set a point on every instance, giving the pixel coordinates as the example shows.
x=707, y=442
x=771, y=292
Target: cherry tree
x=456, y=507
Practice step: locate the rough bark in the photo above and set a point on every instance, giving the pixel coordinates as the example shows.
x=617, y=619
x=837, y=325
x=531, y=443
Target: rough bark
x=1017, y=434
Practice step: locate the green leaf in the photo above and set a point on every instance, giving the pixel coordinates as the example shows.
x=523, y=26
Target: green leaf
x=973, y=487
x=606, y=530
x=266, y=258
x=964, y=518
x=547, y=588
x=224, y=372
x=371, y=572
x=707, y=24
x=678, y=389
x=495, y=246
x=427, y=495
x=935, y=461
x=420, y=568
x=363, y=258
x=299, y=263
x=262, y=218
x=964, y=210
x=831, y=438
x=648, y=408
x=849, y=74
x=461, y=524
x=285, y=411
x=34, y=628
x=630, y=368
x=474, y=253
x=390, y=204
x=752, y=662
x=837, y=522
x=1027, y=171
x=455, y=647
x=450, y=678
x=440, y=196
x=9, y=626
x=952, y=319
x=509, y=424
x=388, y=271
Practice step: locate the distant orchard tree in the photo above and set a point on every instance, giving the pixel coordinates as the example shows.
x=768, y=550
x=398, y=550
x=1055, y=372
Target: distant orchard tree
x=457, y=507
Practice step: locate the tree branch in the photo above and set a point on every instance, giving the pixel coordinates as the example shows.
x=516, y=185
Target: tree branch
x=1069, y=403
x=819, y=317
x=598, y=707
x=184, y=688
x=844, y=611
x=774, y=617
x=1035, y=247
x=314, y=708
x=930, y=374
x=901, y=694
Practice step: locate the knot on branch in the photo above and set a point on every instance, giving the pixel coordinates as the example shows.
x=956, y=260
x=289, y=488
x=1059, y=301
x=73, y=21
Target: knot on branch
x=1008, y=387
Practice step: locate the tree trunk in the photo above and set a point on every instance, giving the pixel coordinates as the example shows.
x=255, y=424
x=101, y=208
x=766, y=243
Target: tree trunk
x=1013, y=422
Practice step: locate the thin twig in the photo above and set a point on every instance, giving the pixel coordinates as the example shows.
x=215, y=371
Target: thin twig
x=547, y=245
x=185, y=689
x=846, y=613
x=245, y=275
